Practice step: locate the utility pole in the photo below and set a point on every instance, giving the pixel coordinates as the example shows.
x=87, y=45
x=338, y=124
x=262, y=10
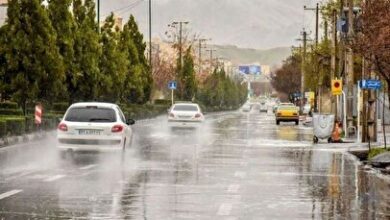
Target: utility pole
x=150, y=37
x=201, y=40
x=333, y=56
x=317, y=97
x=349, y=63
x=316, y=9
x=303, y=68
x=303, y=54
x=211, y=57
x=180, y=23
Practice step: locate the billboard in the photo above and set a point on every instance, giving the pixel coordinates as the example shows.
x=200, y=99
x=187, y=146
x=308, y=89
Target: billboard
x=250, y=69
x=243, y=69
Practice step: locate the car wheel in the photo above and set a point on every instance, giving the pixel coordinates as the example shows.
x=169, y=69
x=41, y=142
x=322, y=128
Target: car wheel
x=297, y=122
x=277, y=122
x=315, y=140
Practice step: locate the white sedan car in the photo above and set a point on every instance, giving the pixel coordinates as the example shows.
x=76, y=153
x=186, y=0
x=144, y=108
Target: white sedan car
x=93, y=126
x=185, y=115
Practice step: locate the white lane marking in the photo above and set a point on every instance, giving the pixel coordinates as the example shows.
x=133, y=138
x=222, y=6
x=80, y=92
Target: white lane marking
x=10, y=193
x=225, y=209
x=233, y=188
x=54, y=178
x=240, y=174
x=88, y=167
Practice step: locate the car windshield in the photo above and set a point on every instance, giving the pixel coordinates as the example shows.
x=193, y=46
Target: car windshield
x=287, y=108
x=191, y=108
x=91, y=114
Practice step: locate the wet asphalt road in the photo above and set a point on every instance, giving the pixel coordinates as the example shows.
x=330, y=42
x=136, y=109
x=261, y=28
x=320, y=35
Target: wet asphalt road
x=236, y=166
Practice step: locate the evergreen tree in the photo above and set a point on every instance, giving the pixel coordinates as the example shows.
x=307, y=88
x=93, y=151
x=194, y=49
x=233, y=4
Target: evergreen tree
x=187, y=77
x=64, y=24
x=145, y=73
x=113, y=64
x=87, y=50
x=32, y=56
x=4, y=79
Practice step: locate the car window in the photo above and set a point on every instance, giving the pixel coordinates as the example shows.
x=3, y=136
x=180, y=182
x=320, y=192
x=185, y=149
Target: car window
x=121, y=115
x=192, y=108
x=91, y=114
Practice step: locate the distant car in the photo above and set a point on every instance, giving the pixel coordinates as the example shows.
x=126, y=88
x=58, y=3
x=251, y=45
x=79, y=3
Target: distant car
x=94, y=126
x=185, y=114
x=287, y=113
x=246, y=108
x=263, y=107
x=306, y=109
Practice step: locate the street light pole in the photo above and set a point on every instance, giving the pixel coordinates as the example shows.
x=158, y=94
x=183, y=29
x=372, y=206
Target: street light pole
x=150, y=36
x=98, y=14
x=200, y=53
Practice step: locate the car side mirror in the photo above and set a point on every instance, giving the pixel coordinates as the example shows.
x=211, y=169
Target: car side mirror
x=130, y=121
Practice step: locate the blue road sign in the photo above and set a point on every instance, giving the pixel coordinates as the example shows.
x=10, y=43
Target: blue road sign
x=370, y=84
x=172, y=85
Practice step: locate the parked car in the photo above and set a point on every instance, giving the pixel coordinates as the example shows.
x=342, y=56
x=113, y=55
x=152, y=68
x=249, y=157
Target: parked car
x=246, y=108
x=185, y=114
x=287, y=113
x=94, y=126
x=306, y=109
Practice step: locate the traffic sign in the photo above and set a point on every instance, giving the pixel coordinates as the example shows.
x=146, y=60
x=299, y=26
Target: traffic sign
x=337, y=86
x=370, y=84
x=172, y=85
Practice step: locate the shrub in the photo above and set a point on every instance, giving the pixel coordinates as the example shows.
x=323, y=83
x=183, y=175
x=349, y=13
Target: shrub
x=3, y=128
x=376, y=151
x=8, y=105
x=162, y=102
x=4, y=111
x=30, y=124
x=60, y=106
x=15, y=126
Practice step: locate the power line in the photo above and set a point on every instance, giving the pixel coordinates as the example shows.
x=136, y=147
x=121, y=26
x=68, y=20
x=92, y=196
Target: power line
x=125, y=8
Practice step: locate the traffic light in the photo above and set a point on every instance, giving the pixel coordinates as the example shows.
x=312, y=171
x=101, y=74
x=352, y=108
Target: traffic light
x=337, y=86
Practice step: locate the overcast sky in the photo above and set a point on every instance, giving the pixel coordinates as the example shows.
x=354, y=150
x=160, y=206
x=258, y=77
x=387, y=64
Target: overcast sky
x=259, y=24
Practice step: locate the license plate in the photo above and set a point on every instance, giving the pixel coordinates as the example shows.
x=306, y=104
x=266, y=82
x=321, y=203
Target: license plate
x=89, y=132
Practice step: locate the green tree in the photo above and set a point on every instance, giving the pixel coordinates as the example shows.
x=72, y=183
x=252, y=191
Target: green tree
x=32, y=56
x=145, y=73
x=133, y=80
x=87, y=51
x=113, y=63
x=287, y=78
x=64, y=24
x=187, y=80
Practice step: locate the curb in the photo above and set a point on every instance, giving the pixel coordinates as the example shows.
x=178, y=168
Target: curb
x=13, y=140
